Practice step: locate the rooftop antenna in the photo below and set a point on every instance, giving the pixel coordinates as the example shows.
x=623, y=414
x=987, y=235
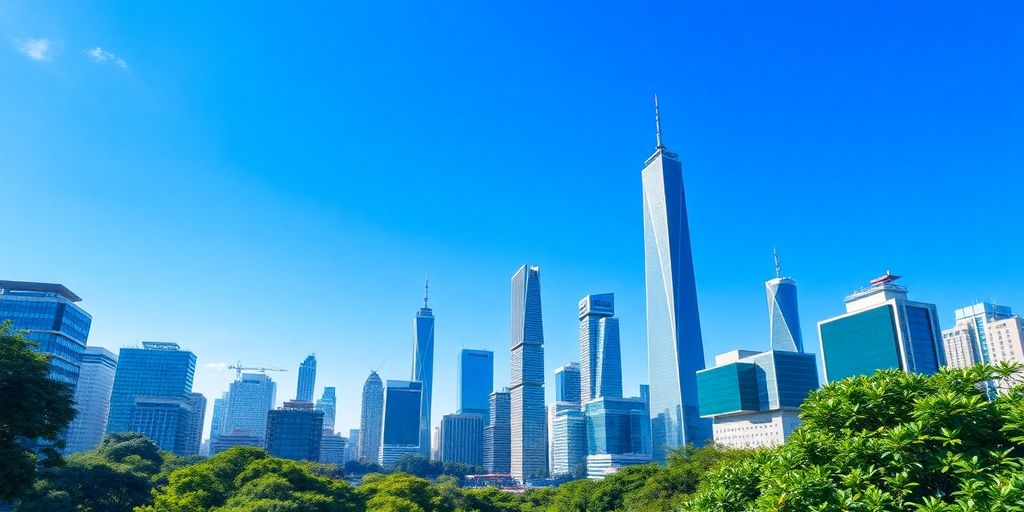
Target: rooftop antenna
x=657, y=121
x=426, y=290
x=379, y=366
x=778, y=262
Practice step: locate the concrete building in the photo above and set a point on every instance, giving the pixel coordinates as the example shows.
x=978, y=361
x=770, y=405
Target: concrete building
x=92, y=399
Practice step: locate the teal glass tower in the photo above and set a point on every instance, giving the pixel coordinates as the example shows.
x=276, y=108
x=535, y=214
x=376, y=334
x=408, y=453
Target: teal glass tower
x=423, y=366
x=675, y=349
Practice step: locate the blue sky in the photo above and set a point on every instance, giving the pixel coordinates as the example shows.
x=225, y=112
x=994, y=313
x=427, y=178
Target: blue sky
x=260, y=181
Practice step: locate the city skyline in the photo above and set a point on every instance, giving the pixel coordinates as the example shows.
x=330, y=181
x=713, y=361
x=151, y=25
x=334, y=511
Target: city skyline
x=156, y=191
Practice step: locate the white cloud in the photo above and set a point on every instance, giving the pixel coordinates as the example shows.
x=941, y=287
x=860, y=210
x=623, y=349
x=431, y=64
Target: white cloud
x=98, y=54
x=35, y=49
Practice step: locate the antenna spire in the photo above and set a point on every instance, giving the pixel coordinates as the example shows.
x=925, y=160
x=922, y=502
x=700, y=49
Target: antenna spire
x=657, y=121
x=778, y=262
x=426, y=291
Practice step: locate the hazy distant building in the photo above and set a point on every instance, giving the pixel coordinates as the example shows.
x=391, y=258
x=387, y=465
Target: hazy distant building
x=352, y=451
x=528, y=415
x=231, y=439
x=92, y=399
x=371, y=418
x=600, y=356
x=249, y=400
x=462, y=439
x=328, y=404
x=476, y=381
x=423, y=368
x=567, y=383
x=220, y=407
x=307, y=379
x=567, y=424
x=196, y=421
x=498, y=434
x=881, y=329
x=401, y=426
x=295, y=431
x=333, y=449
x=675, y=349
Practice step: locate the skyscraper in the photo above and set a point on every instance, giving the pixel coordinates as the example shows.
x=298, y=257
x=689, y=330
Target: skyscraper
x=476, y=381
x=152, y=394
x=783, y=315
x=220, y=407
x=401, y=427
x=249, y=400
x=568, y=437
x=600, y=357
x=352, y=450
x=618, y=434
x=307, y=379
x=462, y=439
x=295, y=431
x=675, y=350
x=423, y=366
x=370, y=418
x=92, y=399
x=967, y=343
x=49, y=313
x=567, y=383
x=529, y=418
x=333, y=449
x=881, y=329
x=498, y=435
x=195, y=427
x=328, y=404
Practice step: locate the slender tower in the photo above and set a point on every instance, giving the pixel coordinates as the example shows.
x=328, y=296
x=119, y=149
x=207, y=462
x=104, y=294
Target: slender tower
x=783, y=319
x=423, y=365
x=307, y=379
x=529, y=419
x=675, y=349
x=371, y=418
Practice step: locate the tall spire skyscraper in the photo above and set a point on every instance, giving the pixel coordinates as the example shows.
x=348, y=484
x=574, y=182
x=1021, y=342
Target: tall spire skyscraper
x=371, y=418
x=423, y=365
x=674, y=346
x=529, y=422
x=307, y=379
x=783, y=318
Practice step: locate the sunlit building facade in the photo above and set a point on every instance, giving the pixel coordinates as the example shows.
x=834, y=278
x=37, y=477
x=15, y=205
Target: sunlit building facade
x=92, y=399
x=528, y=415
x=370, y=418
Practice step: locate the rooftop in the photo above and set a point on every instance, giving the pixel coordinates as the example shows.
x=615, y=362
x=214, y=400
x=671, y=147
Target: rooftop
x=27, y=286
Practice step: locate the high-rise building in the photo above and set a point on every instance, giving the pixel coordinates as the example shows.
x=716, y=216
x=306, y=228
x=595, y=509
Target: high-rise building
x=49, y=313
x=529, y=417
x=462, y=439
x=152, y=395
x=307, y=379
x=423, y=366
x=783, y=315
x=476, y=381
x=92, y=399
x=220, y=407
x=618, y=434
x=600, y=356
x=249, y=400
x=228, y=440
x=370, y=418
x=498, y=435
x=967, y=342
x=352, y=451
x=567, y=383
x=195, y=428
x=675, y=349
x=401, y=427
x=567, y=425
x=328, y=404
x=295, y=431
x=333, y=449
x=881, y=329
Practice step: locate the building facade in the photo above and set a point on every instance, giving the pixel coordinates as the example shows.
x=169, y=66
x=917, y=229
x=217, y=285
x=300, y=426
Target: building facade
x=618, y=432
x=249, y=400
x=528, y=414
x=968, y=343
x=675, y=349
x=462, y=439
x=783, y=313
x=352, y=453
x=567, y=383
x=370, y=418
x=476, y=382
x=295, y=431
x=92, y=399
x=53, y=319
x=328, y=405
x=568, y=438
x=307, y=379
x=220, y=407
x=333, y=449
x=881, y=329
x=195, y=428
x=498, y=434
x=423, y=368
x=401, y=428
x=229, y=440
x=600, y=356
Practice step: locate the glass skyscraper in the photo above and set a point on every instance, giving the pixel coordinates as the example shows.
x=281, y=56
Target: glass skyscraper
x=528, y=415
x=567, y=383
x=195, y=427
x=600, y=356
x=618, y=434
x=783, y=315
x=498, y=435
x=295, y=431
x=328, y=404
x=401, y=435
x=423, y=368
x=220, y=406
x=249, y=400
x=49, y=313
x=152, y=394
x=307, y=379
x=568, y=437
x=92, y=399
x=675, y=349
x=370, y=418
x=462, y=439
x=476, y=381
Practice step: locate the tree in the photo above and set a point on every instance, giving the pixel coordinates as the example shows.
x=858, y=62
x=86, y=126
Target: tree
x=32, y=407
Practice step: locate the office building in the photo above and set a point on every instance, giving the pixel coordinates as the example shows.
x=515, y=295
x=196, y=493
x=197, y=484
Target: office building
x=675, y=350
x=783, y=314
x=476, y=382
x=328, y=404
x=498, y=434
x=568, y=438
x=249, y=400
x=528, y=415
x=333, y=449
x=53, y=319
x=371, y=418
x=307, y=379
x=881, y=329
x=423, y=366
x=567, y=383
x=352, y=451
x=618, y=432
x=968, y=343
x=435, y=443
x=220, y=406
x=152, y=395
x=295, y=431
x=195, y=429
x=462, y=439
x=92, y=399
x=600, y=356
x=226, y=440
x=401, y=428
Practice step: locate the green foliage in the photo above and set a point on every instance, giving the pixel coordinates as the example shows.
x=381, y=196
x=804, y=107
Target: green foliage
x=32, y=407
x=891, y=441
x=432, y=469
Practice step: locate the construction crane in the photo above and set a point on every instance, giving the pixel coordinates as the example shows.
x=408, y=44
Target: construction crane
x=238, y=368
